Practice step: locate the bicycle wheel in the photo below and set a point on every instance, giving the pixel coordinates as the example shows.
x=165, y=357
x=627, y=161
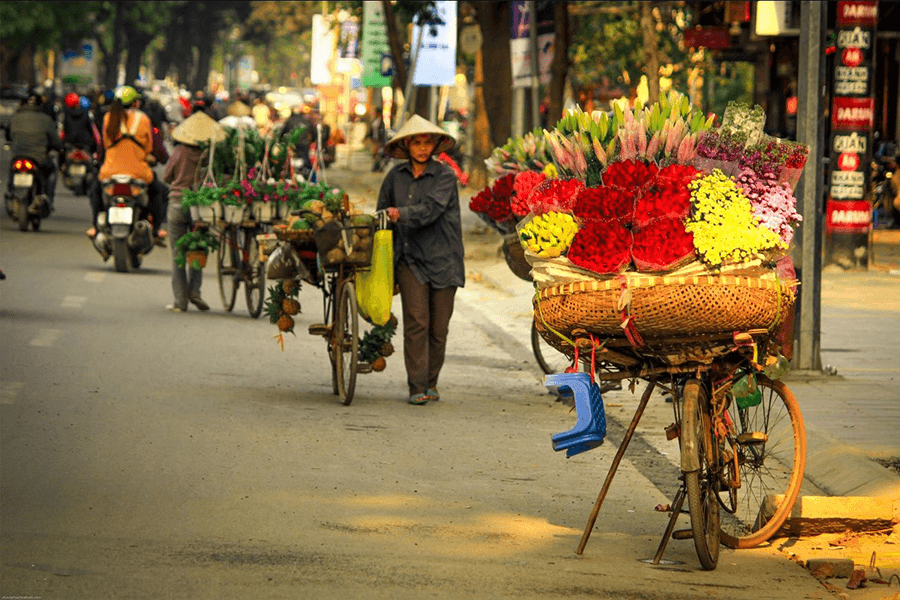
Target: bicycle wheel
x=254, y=274
x=345, y=342
x=697, y=445
x=549, y=359
x=770, y=441
x=228, y=267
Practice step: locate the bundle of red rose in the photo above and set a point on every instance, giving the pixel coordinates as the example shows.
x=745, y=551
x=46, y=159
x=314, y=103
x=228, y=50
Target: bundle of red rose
x=636, y=216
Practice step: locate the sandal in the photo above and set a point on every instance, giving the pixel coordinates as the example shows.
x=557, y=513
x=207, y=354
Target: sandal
x=419, y=399
x=433, y=393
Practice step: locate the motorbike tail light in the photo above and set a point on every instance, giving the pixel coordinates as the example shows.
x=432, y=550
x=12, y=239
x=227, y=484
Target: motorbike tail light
x=79, y=155
x=121, y=189
x=23, y=164
x=121, y=204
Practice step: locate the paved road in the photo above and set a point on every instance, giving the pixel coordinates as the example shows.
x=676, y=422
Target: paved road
x=147, y=454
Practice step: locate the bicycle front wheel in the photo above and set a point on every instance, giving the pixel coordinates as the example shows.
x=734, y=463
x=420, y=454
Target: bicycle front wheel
x=228, y=266
x=255, y=275
x=345, y=340
x=771, y=457
x=697, y=446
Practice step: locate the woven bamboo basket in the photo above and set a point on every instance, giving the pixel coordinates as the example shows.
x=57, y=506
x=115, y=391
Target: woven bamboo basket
x=674, y=316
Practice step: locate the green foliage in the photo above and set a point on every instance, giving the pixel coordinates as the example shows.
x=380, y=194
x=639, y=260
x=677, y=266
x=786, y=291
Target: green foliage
x=200, y=239
x=607, y=49
x=373, y=341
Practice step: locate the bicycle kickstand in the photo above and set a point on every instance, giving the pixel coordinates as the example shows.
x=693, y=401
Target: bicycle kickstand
x=677, y=503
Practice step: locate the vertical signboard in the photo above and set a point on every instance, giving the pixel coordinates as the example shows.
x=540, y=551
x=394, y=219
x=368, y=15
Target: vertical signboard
x=323, y=42
x=852, y=117
x=520, y=41
x=376, y=51
x=436, y=60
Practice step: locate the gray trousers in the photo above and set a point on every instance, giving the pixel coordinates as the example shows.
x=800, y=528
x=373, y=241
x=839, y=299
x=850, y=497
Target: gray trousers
x=426, y=321
x=185, y=280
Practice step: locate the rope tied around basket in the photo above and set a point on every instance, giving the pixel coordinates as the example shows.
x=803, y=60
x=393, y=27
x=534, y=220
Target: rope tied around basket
x=628, y=320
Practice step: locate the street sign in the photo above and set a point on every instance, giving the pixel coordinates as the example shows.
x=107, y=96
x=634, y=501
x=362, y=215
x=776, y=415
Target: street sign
x=375, y=47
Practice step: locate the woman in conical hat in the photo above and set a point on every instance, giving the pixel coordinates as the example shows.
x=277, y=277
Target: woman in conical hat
x=421, y=199
x=397, y=146
x=181, y=175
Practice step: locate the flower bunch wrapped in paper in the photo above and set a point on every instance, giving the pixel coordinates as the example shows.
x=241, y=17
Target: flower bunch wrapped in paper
x=641, y=198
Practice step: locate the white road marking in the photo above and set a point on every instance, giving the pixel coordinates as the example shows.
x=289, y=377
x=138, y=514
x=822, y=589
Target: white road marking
x=73, y=302
x=95, y=277
x=9, y=391
x=46, y=337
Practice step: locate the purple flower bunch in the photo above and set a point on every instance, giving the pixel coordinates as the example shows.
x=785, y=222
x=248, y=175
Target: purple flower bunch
x=773, y=203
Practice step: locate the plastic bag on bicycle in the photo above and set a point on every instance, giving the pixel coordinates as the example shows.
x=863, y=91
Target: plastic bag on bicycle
x=375, y=287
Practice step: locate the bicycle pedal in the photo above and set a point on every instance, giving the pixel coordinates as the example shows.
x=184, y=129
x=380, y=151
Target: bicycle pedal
x=682, y=534
x=752, y=437
x=319, y=329
x=673, y=431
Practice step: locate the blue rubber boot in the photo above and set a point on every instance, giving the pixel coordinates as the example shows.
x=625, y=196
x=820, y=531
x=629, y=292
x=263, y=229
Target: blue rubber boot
x=590, y=429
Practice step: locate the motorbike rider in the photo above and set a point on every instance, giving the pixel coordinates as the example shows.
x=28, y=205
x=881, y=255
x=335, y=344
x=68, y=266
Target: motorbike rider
x=32, y=132
x=128, y=142
x=78, y=127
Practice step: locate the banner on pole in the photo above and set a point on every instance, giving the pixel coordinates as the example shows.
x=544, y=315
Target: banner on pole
x=520, y=42
x=323, y=41
x=436, y=62
x=376, y=49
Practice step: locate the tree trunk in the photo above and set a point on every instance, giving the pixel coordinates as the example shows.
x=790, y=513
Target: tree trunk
x=494, y=21
x=136, y=47
x=560, y=67
x=396, y=45
x=481, y=146
x=204, y=58
x=651, y=50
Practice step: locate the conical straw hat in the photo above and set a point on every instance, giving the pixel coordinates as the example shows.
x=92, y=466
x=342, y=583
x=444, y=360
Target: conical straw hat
x=238, y=109
x=396, y=147
x=197, y=128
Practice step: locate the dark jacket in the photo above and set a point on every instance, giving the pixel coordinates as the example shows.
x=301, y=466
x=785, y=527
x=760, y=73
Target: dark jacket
x=428, y=235
x=77, y=129
x=33, y=133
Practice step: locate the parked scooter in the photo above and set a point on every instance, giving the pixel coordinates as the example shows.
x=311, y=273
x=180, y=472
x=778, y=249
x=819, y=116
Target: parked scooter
x=79, y=170
x=26, y=201
x=123, y=228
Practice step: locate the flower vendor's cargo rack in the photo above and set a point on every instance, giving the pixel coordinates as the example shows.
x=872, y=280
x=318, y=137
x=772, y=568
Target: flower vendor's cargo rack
x=676, y=273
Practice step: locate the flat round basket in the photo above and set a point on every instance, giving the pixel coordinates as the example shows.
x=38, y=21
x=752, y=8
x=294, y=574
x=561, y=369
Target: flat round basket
x=663, y=307
x=515, y=257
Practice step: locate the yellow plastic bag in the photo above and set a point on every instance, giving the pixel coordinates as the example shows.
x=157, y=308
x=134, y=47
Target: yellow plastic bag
x=375, y=287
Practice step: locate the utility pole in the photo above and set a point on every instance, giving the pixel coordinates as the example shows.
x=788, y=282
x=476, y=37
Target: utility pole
x=535, y=65
x=810, y=131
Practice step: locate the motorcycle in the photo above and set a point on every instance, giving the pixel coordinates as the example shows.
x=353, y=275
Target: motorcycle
x=123, y=229
x=79, y=170
x=884, y=166
x=25, y=201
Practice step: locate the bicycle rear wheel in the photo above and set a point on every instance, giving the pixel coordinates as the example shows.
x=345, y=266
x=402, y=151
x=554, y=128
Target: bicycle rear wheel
x=345, y=342
x=697, y=446
x=771, y=453
x=254, y=273
x=228, y=267
x=549, y=359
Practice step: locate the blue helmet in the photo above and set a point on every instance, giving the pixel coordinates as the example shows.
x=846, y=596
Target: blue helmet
x=85, y=102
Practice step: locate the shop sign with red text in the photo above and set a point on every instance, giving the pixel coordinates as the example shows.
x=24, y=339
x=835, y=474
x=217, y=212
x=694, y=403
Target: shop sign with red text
x=848, y=216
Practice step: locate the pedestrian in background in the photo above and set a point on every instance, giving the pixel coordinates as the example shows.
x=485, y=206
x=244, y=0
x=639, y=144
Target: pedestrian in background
x=181, y=174
x=422, y=201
